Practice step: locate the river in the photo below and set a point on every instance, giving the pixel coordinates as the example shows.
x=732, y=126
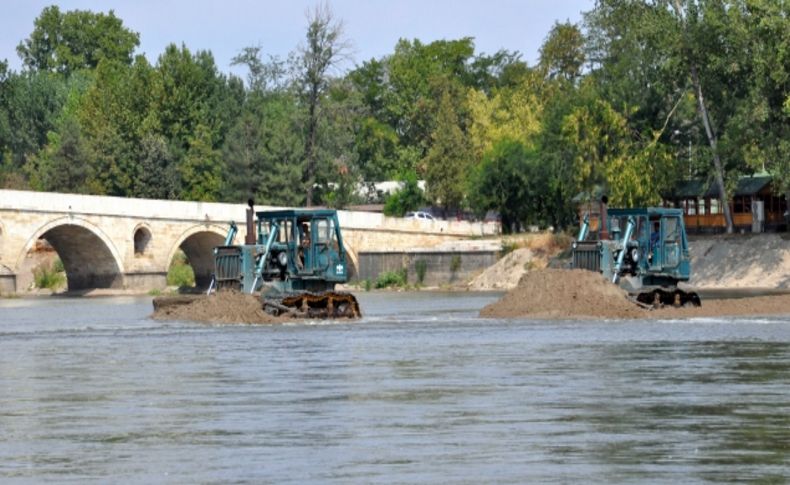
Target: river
x=420, y=390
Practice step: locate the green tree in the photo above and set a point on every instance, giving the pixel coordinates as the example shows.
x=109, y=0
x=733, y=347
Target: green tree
x=760, y=128
x=155, y=175
x=326, y=47
x=562, y=53
x=513, y=182
x=30, y=106
x=201, y=169
x=115, y=113
x=63, y=165
x=408, y=198
x=449, y=158
x=77, y=39
x=264, y=152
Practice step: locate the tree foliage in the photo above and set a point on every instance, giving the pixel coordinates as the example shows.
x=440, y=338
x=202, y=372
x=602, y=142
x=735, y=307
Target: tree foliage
x=408, y=198
x=77, y=39
x=641, y=94
x=509, y=180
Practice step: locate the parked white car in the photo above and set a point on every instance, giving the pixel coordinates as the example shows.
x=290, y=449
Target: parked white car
x=423, y=216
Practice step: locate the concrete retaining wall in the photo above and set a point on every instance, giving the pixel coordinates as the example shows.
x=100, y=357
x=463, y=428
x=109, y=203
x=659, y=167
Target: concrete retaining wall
x=440, y=267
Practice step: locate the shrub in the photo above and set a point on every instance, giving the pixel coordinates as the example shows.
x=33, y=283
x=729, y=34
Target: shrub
x=408, y=198
x=46, y=276
x=420, y=267
x=392, y=278
x=180, y=272
x=455, y=263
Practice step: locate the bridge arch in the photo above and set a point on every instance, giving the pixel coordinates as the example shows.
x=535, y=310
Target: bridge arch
x=89, y=256
x=353, y=261
x=198, y=244
x=141, y=236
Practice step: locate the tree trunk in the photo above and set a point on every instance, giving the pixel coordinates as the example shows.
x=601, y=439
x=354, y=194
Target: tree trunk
x=312, y=127
x=718, y=169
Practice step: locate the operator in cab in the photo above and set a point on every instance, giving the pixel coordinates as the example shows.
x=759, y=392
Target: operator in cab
x=655, y=239
x=304, y=243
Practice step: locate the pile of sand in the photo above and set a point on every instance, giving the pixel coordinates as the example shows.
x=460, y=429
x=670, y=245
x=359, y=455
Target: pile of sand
x=533, y=251
x=574, y=294
x=223, y=307
x=561, y=293
x=505, y=273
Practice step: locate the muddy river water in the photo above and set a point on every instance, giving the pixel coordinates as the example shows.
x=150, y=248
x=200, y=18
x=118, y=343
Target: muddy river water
x=420, y=391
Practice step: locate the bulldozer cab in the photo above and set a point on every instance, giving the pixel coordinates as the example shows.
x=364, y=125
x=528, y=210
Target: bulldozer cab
x=308, y=245
x=665, y=243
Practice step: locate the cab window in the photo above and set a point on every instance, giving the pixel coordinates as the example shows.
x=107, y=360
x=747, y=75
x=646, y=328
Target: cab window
x=325, y=230
x=671, y=229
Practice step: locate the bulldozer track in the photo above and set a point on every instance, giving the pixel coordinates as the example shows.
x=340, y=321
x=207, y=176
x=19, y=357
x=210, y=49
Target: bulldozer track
x=661, y=297
x=328, y=304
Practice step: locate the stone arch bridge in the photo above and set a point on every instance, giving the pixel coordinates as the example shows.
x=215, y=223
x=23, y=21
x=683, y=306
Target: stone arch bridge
x=113, y=242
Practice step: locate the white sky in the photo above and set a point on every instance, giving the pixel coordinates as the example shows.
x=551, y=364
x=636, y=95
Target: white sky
x=373, y=26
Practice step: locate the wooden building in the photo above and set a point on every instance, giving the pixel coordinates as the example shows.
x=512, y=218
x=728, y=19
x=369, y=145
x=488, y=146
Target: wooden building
x=754, y=206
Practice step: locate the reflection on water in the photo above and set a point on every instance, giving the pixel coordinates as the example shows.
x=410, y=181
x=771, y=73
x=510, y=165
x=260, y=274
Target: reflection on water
x=420, y=391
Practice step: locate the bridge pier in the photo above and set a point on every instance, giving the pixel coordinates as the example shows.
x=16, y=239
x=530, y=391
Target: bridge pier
x=145, y=280
x=7, y=284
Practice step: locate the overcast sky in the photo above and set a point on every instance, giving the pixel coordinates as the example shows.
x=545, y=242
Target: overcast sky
x=373, y=26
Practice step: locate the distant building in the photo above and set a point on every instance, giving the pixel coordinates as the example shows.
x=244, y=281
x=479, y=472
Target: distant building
x=755, y=206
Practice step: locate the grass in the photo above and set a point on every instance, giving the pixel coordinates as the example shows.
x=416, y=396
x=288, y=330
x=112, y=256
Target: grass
x=507, y=248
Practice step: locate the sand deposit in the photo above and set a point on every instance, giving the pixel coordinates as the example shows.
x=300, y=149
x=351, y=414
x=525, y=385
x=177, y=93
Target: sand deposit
x=579, y=294
x=533, y=251
x=505, y=273
x=223, y=307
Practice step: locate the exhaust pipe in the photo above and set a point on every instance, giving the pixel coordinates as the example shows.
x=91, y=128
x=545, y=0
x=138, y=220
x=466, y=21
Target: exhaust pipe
x=250, y=237
x=604, y=232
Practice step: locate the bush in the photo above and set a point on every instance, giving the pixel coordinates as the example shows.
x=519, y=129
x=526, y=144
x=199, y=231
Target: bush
x=46, y=275
x=455, y=263
x=408, y=198
x=420, y=267
x=392, y=278
x=180, y=272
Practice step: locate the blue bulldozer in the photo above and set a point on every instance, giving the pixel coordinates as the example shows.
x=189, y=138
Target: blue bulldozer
x=644, y=250
x=292, y=259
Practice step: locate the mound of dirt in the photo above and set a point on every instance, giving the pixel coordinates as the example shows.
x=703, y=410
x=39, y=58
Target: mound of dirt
x=533, y=251
x=576, y=294
x=505, y=273
x=562, y=293
x=223, y=307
